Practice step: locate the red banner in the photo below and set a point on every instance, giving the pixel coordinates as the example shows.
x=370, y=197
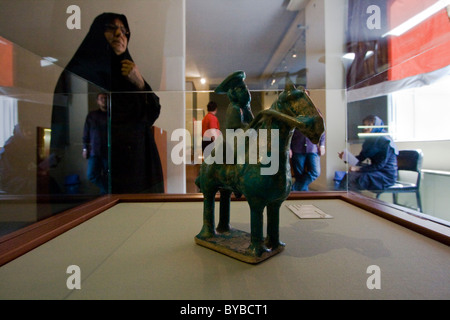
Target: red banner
x=422, y=49
x=6, y=63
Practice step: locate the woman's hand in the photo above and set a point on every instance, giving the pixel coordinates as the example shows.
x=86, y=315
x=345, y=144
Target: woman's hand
x=131, y=72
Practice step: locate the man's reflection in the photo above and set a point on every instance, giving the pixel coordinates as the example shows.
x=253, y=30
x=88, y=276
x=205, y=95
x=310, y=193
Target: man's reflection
x=19, y=171
x=95, y=144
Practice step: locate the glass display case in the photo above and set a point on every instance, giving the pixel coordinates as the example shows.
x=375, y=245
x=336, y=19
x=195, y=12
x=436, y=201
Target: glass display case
x=355, y=58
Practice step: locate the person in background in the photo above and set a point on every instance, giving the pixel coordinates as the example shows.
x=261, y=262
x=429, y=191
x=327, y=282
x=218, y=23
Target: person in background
x=18, y=161
x=95, y=144
x=305, y=160
x=210, y=126
x=20, y=173
x=382, y=152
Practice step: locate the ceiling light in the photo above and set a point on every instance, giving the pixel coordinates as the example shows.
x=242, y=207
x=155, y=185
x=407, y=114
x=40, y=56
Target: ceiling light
x=369, y=54
x=417, y=19
x=349, y=56
x=373, y=127
x=373, y=134
x=47, y=61
x=202, y=80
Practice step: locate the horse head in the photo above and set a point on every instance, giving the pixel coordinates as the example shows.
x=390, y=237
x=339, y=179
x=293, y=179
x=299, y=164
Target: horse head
x=297, y=104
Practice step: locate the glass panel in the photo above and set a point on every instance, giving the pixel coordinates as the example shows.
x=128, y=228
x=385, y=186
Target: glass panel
x=42, y=170
x=396, y=69
x=344, y=52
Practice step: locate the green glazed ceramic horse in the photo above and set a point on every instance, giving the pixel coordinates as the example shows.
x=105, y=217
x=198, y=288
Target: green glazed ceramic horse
x=293, y=109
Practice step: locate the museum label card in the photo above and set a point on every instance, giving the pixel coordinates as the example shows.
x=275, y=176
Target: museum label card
x=308, y=211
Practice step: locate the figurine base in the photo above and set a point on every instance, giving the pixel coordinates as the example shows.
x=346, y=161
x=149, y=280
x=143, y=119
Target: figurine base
x=235, y=244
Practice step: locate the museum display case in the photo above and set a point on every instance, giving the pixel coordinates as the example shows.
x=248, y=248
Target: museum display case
x=349, y=55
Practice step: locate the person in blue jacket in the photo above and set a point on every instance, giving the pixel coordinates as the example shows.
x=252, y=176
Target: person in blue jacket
x=382, y=152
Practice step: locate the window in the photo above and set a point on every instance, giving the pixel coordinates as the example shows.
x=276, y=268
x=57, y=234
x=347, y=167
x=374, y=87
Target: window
x=8, y=118
x=421, y=114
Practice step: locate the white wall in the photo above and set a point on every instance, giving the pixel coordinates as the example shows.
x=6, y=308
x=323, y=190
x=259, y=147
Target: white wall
x=325, y=40
x=173, y=98
x=335, y=39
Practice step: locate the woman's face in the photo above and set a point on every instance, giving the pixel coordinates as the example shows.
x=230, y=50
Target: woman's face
x=115, y=34
x=367, y=123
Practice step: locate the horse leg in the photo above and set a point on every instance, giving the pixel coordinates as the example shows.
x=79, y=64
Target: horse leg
x=224, y=220
x=256, y=247
x=273, y=226
x=208, y=216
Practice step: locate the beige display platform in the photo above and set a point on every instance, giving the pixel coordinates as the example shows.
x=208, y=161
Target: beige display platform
x=143, y=248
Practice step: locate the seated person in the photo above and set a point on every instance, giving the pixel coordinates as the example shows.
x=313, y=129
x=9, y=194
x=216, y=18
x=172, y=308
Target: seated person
x=380, y=149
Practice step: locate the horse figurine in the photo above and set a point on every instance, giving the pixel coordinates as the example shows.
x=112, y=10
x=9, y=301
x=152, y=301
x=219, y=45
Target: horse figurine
x=293, y=109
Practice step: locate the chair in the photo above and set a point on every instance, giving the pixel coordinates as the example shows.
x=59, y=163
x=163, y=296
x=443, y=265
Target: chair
x=407, y=160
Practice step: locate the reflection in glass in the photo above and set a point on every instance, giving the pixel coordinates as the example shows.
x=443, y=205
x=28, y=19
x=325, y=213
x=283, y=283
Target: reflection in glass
x=397, y=69
x=104, y=60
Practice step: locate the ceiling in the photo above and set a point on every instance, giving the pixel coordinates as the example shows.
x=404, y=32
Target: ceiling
x=256, y=36
x=222, y=36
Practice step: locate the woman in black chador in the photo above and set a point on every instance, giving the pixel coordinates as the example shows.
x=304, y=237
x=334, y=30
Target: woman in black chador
x=103, y=59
